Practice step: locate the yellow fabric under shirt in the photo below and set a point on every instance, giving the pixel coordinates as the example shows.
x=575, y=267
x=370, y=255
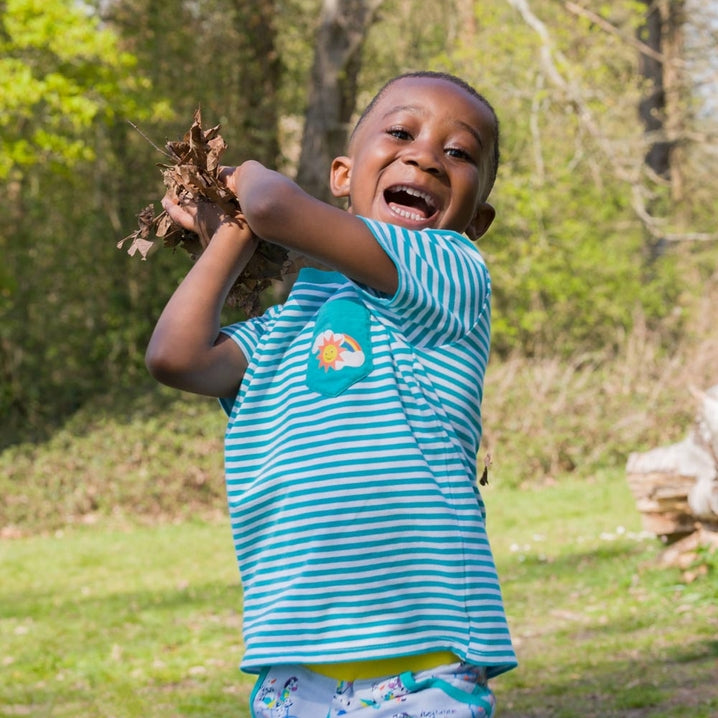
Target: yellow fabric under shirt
x=362, y=670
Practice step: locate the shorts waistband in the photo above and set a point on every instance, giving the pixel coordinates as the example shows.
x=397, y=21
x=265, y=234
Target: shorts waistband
x=363, y=670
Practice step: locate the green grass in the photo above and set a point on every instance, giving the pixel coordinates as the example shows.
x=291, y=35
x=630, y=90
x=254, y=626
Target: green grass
x=109, y=622
x=129, y=621
x=602, y=629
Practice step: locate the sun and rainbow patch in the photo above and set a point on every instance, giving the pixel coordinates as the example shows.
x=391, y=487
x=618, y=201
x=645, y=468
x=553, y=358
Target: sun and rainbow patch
x=341, y=347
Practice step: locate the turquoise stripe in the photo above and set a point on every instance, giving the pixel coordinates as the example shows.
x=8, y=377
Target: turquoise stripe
x=370, y=486
x=358, y=508
x=476, y=579
x=386, y=644
x=424, y=530
x=331, y=555
x=269, y=578
x=277, y=481
x=467, y=517
x=347, y=599
x=436, y=550
x=309, y=439
x=451, y=611
x=333, y=559
x=329, y=587
x=271, y=628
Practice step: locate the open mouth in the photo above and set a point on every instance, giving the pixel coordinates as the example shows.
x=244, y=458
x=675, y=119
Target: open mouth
x=410, y=203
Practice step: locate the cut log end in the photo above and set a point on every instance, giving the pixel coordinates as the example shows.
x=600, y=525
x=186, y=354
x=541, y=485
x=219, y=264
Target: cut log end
x=676, y=486
x=662, y=499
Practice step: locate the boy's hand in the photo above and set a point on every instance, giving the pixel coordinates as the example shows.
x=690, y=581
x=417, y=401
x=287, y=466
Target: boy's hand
x=227, y=175
x=202, y=218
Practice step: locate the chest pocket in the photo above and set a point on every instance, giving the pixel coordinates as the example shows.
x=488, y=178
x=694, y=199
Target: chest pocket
x=341, y=347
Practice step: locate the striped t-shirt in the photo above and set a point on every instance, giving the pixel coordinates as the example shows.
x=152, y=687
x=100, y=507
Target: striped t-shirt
x=350, y=462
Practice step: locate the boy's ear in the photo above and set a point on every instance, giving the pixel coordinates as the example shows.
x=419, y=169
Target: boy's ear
x=482, y=220
x=339, y=176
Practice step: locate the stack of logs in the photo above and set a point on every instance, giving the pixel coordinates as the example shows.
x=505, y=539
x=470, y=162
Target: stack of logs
x=676, y=486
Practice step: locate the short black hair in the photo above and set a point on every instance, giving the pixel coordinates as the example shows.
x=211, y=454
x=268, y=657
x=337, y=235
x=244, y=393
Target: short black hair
x=448, y=77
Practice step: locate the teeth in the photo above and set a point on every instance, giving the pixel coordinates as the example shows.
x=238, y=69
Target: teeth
x=407, y=215
x=416, y=193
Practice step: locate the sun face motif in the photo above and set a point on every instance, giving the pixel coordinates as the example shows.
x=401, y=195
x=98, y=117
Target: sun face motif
x=329, y=348
x=337, y=351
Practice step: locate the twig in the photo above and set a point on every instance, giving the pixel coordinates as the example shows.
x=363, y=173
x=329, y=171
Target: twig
x=159, y=149
x=691, y=237
x=613, y=30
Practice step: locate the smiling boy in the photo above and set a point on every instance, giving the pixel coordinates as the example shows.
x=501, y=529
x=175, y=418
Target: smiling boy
x=355, y=414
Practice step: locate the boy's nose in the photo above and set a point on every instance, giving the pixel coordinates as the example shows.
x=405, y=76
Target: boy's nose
x=424, y=157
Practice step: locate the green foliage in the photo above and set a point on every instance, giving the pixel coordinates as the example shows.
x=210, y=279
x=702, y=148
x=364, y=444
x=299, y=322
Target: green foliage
x=66, y=83
x=75, y=313
x=567, y=252
x=219, y=55
x=155, y=455
x=570, y=282
x=60, y=72
x=404, y=40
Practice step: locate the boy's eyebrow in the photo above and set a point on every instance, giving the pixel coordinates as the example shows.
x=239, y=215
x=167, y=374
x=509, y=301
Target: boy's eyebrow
x=420, y=110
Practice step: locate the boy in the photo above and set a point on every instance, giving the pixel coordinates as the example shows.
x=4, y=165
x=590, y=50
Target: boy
x=354, y=415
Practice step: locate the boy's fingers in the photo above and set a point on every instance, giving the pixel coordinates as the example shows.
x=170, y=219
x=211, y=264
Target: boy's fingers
x=179, y=215
x=226, y=175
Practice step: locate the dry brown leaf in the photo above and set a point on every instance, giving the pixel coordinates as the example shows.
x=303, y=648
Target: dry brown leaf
x=193, y=173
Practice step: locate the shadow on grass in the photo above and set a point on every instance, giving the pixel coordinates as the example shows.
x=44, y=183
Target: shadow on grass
x=644, y=687
x=578, y=559
x=48, y=606
x=607, y=633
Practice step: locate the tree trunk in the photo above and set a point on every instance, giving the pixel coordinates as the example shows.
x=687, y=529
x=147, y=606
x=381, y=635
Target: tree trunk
x=675, y=90
x=343, y=26
x=651, y=108
x=662, y=108
x=258, y=89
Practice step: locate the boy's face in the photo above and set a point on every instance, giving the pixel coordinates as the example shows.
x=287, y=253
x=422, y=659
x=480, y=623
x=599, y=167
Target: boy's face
x=420, y=159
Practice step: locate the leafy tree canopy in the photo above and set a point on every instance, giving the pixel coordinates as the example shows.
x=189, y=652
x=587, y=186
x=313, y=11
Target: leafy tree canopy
x=60, y=71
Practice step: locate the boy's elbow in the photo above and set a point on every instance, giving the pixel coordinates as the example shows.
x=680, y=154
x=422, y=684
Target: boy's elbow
x=156, y=366
x=268, y=210
x=263, y=216
x=163, y=366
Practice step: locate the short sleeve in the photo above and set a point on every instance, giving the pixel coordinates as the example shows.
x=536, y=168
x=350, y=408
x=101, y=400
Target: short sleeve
x=444, y=286
x=247, y=334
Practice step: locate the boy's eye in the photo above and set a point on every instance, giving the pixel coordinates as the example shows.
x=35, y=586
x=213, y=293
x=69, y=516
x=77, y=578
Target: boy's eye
x=399, y=132
x=459, y=153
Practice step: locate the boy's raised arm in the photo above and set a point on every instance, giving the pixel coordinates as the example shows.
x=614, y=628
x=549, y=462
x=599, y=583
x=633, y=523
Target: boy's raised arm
x=279, y=211
x=187, y=350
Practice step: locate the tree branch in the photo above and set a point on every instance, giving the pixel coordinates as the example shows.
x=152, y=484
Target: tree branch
x=550, y=59
x=613, y=30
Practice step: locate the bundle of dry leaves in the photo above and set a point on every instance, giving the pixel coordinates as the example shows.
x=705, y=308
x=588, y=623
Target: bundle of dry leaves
x=193, y=174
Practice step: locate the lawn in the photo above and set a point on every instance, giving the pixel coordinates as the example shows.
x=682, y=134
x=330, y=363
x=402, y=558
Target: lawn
x=126, y=621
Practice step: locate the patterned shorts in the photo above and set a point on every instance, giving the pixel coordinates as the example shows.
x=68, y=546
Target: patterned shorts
x=458, y=690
